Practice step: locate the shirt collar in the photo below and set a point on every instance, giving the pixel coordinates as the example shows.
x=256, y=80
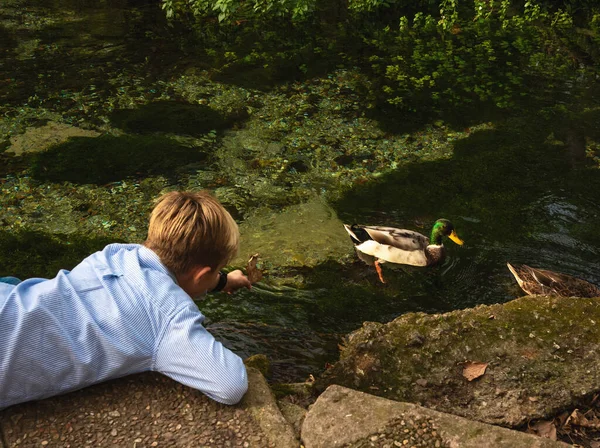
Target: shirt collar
x=148, y=256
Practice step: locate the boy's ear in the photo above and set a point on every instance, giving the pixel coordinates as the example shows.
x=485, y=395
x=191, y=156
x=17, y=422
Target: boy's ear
x=200, y=271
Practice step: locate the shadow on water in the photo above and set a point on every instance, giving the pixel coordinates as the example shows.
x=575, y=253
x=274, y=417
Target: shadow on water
x=174, y=118
x=9, y=43
x=105, y=159
x=26, y=254
x=396, y=121
x=297, y=57
x=513, y=194
x=492, y=176
x=300, y=329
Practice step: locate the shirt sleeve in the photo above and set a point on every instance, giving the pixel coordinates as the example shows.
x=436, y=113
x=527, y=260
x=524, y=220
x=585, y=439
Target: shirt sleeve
x=189, y=354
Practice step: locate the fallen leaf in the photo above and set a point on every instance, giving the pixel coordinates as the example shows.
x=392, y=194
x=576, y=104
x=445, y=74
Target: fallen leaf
x=579, y=419
x=576, y=418
x=254, y=274
x=473, y=370
x=562, y=418
x=543, y=428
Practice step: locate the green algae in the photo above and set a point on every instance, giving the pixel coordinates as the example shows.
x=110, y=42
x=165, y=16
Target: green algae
x=303, y=235
x=119, y=211
x=259, y=362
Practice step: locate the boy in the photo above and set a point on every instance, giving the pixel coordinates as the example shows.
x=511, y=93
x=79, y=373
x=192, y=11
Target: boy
x=127, y=309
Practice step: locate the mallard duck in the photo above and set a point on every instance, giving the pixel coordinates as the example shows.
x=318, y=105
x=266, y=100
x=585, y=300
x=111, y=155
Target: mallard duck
x=543, y=282
x=375, y=244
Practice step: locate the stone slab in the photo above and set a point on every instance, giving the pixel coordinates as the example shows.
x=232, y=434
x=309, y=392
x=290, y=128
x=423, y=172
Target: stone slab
x=343, y=417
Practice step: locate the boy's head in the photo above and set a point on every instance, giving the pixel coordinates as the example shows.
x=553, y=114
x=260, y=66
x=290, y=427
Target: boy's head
x=191, y=229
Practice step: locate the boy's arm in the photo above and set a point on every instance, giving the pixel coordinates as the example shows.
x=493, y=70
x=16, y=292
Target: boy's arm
x=189, y=354
x=235, y=280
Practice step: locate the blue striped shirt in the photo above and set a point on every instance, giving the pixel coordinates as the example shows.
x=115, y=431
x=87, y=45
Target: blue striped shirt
x=120, y=311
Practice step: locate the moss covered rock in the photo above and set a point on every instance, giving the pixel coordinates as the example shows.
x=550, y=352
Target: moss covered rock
x=541, y=354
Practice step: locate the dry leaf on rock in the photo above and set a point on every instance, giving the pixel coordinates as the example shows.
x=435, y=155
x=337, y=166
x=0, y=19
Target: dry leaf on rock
x=254, y=274
x=577, y=418
x=543, y=428
x=473, y=370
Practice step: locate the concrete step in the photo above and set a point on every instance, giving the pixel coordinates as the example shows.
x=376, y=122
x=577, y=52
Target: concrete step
x=148, y=410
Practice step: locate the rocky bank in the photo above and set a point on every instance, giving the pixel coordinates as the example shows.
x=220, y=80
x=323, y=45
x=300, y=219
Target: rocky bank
x=541, y=356
x=405, y=383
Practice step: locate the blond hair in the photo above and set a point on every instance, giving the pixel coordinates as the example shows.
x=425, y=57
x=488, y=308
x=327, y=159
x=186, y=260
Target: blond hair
x=189, y=229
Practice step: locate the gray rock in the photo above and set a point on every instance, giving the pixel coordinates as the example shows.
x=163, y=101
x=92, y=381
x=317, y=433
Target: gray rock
x=344, y=417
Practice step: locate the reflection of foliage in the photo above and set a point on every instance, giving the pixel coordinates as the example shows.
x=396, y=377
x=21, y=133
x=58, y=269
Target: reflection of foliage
x=443, y=54
x=297, y=10
x=489, y=55
x=226, y=9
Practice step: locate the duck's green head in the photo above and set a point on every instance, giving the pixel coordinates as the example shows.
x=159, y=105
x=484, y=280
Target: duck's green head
x=443, y=227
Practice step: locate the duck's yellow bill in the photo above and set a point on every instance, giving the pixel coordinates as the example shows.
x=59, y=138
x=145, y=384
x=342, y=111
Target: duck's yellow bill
x=454, y=237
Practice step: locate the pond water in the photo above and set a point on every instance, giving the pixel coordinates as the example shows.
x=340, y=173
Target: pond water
x=145, y=113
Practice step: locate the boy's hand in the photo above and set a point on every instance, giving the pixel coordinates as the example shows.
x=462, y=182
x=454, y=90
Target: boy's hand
x=236, y=280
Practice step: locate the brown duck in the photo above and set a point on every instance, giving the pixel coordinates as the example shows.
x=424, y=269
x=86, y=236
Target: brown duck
x=547, y=283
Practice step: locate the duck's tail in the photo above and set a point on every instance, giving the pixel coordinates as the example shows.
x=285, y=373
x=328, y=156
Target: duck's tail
x=350, y=231
x=515, y=274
